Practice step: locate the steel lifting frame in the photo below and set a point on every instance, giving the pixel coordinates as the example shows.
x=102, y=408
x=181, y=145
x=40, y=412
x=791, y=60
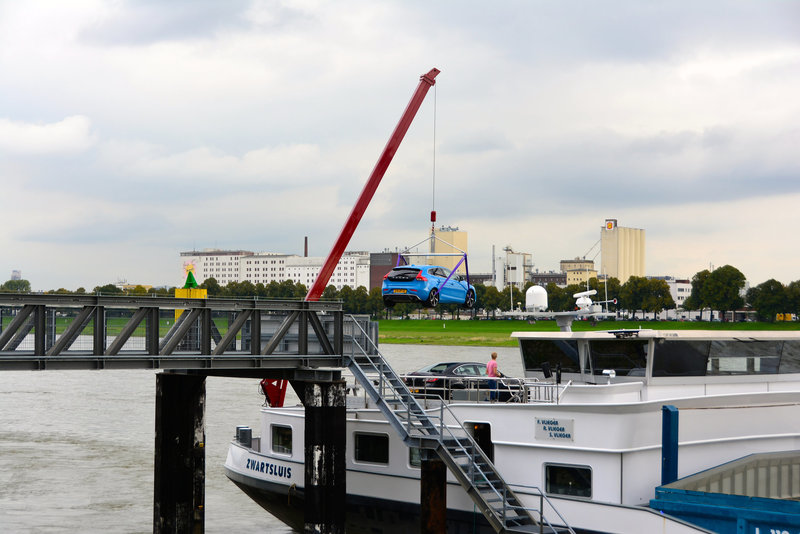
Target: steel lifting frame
x=432, y=237
x=426, y=82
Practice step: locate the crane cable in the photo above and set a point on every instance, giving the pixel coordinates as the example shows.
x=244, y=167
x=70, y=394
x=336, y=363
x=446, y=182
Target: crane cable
x=433, y=187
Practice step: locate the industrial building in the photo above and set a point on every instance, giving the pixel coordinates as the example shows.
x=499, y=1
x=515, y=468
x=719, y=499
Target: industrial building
x=227, y=266
x=578, y=271
x=448, y=240
x=512, y=268
x=622, y=251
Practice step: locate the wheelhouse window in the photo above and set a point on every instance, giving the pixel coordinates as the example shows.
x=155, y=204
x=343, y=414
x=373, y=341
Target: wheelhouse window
x=744, y=357
x=790, y=357
x=282, y=439
x=626, y=357
x=535, y=352
x=729, y=357
x=680, y=358
x=372, y=448
x=574, y=480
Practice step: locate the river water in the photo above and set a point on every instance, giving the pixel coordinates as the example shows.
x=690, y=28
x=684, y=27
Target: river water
x=76, y=447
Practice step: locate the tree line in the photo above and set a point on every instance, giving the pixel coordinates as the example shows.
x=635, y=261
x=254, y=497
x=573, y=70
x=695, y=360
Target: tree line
x=717, y=290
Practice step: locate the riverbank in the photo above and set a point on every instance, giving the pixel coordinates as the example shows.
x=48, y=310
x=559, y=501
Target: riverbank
x=497, y=333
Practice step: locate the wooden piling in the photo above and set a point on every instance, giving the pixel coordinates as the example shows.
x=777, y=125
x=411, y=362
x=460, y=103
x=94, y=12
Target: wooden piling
x=179, y=493
x=325, y=473
x=433, y=495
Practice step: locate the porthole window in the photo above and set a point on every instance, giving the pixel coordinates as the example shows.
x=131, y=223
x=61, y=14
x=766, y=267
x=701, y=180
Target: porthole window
x=372, y=448
x=574, y=480
x=415, y=457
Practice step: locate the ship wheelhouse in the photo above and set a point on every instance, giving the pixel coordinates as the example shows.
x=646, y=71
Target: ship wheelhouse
x=660, y=357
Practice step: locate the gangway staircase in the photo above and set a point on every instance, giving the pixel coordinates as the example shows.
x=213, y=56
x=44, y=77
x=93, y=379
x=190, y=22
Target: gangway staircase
x=445, y=435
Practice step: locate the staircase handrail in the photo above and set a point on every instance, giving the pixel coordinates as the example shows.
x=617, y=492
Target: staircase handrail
x=476, y=450
x=545, y=498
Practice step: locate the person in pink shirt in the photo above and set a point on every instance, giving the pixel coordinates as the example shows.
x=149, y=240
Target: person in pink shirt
x=492, y=372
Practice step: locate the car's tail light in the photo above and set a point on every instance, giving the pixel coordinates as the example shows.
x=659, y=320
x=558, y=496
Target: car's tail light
x=431, y=380
x=420, y=277
x=385, y=276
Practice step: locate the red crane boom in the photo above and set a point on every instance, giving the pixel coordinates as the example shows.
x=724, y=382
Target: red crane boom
x=425, y=83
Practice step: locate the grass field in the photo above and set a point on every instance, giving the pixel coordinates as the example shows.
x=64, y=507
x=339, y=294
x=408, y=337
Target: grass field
x=114, y=326
x=477, y=333
x=496, y=333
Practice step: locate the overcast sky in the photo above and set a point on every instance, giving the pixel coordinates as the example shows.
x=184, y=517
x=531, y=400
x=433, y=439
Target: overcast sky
x=133, y=130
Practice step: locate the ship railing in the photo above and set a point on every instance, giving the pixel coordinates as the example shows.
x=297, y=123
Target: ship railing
x=453, y=433
x=540, y=512
x=478, y=389
x=545, y=392
x=390, y=389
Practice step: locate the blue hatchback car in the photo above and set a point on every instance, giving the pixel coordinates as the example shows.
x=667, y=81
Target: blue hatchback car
x=426, y=284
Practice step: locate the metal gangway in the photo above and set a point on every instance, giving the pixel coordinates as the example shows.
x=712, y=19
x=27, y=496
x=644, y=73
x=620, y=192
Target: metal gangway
x=46, y=331
x=443, y=433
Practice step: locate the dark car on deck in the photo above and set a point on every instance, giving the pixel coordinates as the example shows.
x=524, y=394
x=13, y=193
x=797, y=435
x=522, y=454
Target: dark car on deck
x=440, y=379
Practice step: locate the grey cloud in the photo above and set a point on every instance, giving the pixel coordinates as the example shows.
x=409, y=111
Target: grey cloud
x=629, y=30
x=146, y=22
x=603, y=170
x=673, y=143
x=96, y=229
x=665, y=142
x=475, y=144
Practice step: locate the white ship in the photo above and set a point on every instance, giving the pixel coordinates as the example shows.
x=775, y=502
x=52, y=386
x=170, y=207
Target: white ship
x=580, y=444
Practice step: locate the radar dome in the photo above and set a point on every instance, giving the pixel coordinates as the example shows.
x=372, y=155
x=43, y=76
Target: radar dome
x=536, y=299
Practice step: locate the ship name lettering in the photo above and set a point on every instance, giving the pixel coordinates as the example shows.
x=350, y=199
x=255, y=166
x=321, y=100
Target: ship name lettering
x=269, y=469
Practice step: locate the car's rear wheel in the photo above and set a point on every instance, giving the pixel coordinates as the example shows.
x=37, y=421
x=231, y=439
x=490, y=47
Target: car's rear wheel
x=433, y=298
x=469, y=301
x=389, y=303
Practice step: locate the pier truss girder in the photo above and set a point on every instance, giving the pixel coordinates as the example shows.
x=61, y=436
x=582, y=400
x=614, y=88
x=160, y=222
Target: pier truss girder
x=40, y=332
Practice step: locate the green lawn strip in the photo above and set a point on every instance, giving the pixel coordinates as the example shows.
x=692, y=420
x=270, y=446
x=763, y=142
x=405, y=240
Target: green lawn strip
x=497, y=333
x=114, y=326
x=457, y=332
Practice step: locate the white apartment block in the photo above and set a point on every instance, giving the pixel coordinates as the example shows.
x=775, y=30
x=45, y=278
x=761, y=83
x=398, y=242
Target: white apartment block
x=680, y=290
x=227, y=266
x=222, y=265
x=352, y=270
x=265, y=267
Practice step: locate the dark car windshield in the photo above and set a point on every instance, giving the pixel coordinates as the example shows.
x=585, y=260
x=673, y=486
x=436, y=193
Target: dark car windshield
x=456, y=368
x=435, y=368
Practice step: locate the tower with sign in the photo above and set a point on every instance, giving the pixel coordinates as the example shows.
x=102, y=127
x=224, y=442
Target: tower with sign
x=622, y=251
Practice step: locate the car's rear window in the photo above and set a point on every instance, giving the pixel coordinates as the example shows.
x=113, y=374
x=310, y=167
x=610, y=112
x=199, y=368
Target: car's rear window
x=402, y=274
